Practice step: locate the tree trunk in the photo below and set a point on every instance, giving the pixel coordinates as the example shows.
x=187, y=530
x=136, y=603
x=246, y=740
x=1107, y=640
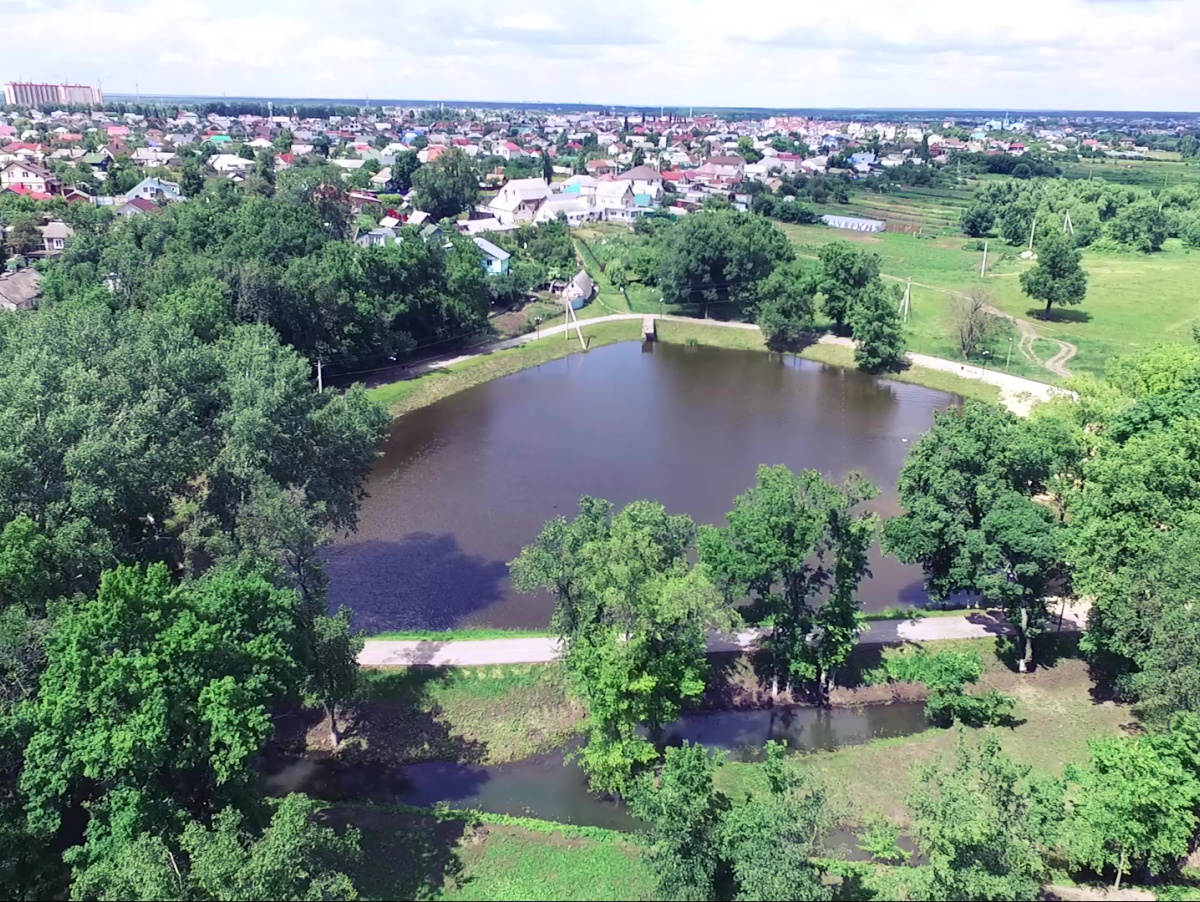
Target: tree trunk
x=1026, y=646
x=1046, y=315
x=1120, y=871
x=331, y=713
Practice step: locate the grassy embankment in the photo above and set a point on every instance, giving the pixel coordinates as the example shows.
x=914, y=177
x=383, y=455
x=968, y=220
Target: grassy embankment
x=411, y=394
x=496, y=713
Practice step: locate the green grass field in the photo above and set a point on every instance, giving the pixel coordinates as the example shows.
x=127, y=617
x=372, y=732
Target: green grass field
x=1133, y=301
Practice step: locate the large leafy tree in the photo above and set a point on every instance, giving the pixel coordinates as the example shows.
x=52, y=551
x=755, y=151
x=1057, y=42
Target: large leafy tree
x=721, y=256
x=1135, y=806
x=1057, y=277
x=293, y=858
x=875, y=325
x=447, y=186
x=786, y=304
x=702, y=847
x=981, y=826
x=790, y=538
x=969, y=519
x=632, y=613
x=846, y=271
x=160, y=690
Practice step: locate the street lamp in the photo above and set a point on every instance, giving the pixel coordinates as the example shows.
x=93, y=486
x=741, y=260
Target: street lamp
x=985, y=357
x=537, y=322
x=1009, y=360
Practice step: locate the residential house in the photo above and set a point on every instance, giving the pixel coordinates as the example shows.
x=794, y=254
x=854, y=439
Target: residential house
x=730, y=168
x=495, y=259
x=152, y=189
x=147, y=156
x=55, y=236
x=231, y=164
x=519, y=200
x=509, y=151
x=646, y=182
x=380, y=179
x=600, y=167
x=29, y=175
x=616, y=201
x=581, y=185
x=136, y=206
x=377, y=237
x=19, y=290
x=575, y=208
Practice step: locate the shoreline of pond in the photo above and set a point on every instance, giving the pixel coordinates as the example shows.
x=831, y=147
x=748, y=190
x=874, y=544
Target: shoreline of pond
x=430, y=381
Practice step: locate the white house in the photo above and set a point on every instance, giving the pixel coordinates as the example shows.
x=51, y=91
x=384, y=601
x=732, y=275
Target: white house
x=615, y=201
x=645, y=181
x=153, y=188
x=576, y=208
x=32, y=176
x=519, y=200
x=230, y=164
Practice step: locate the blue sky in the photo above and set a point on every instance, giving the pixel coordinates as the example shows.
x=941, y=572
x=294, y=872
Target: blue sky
x=1093, y=54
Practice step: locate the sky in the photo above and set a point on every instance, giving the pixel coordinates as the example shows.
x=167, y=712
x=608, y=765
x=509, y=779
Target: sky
x=1009, y=54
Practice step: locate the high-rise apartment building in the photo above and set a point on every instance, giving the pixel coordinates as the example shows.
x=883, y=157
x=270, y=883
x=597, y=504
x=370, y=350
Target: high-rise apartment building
x=33, y=95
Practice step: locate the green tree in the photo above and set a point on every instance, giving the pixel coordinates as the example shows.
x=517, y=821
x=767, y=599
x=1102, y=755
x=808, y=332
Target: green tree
x=846, y=271
x=980, y=827
x=161, y=690
x=720, y=257
x=1141, y=226
x=638, y=158
x=406, y=165
x=191, y=179
x=789, y=538
x=632, y=614
x=771, y=841
x=684, y=812
x=333, y=674
x=1057, y=277
x=786, y=304
x=292, y=859
x=969, y=519
x=1135, y=806
x=547, y=168
x=876, y=328
x=245, y=151
x=446, y=187
x=977, y=220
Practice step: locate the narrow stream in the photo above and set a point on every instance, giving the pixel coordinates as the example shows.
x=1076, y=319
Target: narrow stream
x=547, y=787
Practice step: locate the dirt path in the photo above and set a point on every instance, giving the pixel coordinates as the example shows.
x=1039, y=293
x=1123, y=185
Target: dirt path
x=541, y=649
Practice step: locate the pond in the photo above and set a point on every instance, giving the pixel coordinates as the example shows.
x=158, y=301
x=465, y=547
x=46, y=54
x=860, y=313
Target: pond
x=463, y=484
x=546, y=787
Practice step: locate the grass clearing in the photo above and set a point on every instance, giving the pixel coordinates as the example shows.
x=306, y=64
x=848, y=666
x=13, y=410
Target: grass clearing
x=410, y=856
x=1056, y=716
x=1134, y=300
x=475, y=715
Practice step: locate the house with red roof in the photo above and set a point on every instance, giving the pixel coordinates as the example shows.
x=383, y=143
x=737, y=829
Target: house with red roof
x=28, y=176
x=118, y=131
x=510, y=151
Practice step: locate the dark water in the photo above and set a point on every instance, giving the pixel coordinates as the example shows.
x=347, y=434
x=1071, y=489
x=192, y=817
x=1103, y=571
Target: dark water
x=545, y=787
x=464, y=483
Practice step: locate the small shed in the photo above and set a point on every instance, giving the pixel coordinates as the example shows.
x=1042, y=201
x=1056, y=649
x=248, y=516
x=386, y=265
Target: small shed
x=853, y=223
x=579, y=290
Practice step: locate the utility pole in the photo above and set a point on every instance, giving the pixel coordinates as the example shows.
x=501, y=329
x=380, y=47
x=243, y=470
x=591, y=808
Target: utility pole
x=906, y=302
x=320, y=375
x=1009, y=360
x=983, y=265
x=1032, y=229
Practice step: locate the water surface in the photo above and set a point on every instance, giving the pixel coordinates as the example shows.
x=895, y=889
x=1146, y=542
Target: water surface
x=464, y=483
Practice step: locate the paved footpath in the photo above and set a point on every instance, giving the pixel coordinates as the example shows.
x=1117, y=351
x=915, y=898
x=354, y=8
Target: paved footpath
x=540, y=649
x=1016, y=393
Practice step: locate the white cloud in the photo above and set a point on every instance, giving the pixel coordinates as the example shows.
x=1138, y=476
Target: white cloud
x=1067, y=54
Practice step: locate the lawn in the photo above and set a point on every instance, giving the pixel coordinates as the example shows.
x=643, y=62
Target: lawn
x=1056, y=716
x=1133, y=301
x=407, y=856
x=477, y=715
